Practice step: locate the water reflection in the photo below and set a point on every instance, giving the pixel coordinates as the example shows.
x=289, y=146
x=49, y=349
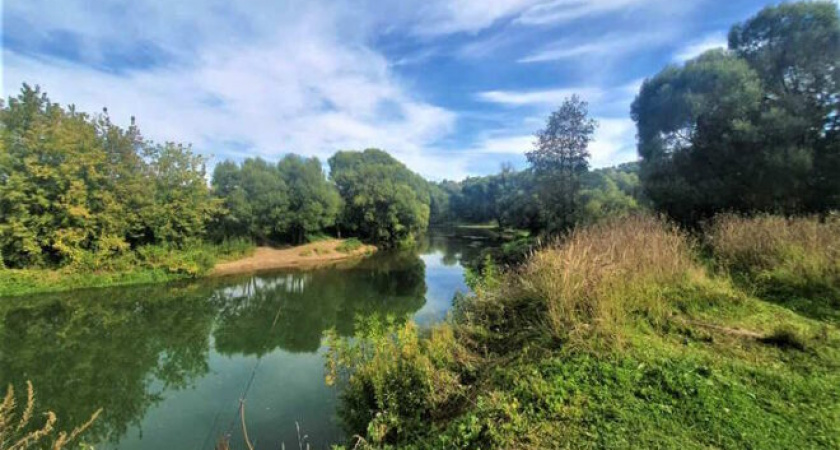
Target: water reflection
x=292, y=311
x=169, y=363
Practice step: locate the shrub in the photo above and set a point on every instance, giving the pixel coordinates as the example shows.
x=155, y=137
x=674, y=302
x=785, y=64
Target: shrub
x=349, y=245
x=600, y=275
x=21, y=433
x=394, y=383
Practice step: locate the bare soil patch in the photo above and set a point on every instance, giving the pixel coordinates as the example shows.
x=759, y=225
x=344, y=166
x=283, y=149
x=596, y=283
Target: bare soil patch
x=316, y=254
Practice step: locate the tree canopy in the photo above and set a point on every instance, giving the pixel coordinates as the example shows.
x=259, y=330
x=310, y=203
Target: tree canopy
x=72, y=184
x=384, y=201
x=752, y=128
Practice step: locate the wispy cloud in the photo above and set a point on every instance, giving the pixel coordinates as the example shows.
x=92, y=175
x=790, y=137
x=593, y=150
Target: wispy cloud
x=568, y=10
x=610, y=45
x=544, y=97
x=435, y=82
x=300, y=86
x=698, y=47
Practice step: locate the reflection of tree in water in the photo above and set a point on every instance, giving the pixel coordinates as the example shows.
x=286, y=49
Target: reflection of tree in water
x=458, y=246
x=306, y=304
x=121, y=349
x=105, y=348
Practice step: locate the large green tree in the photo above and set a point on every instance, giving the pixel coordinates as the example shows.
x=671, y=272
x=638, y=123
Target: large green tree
x=795, y=49
x=256, y=199
x=314, y=203
x=72, y=185
x=384, y=201
x=560, y=157
x=754, y=128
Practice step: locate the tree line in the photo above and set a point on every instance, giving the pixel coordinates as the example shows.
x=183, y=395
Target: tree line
x=751, y=128
x=748, y=129
x=75, y=187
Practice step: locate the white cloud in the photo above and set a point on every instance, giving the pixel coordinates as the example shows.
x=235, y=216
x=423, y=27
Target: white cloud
x=614, y=142
x=300, y=85
x=698, y=47
x=568, y=10
x=451, y=16
x=610, y=45
x=549, y=97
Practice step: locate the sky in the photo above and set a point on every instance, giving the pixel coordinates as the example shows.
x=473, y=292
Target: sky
x=452, y=88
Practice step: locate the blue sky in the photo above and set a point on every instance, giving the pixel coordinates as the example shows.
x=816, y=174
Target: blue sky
x=451, y=88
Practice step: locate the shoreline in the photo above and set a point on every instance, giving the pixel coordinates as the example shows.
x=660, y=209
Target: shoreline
x=25, y=282
x=307, y=256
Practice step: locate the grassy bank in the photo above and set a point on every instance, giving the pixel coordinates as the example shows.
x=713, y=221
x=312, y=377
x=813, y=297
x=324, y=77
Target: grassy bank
x=620, y=336
x=150, y=264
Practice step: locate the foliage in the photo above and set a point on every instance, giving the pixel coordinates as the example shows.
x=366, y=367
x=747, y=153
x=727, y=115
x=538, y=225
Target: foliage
x=349, y=245
x=22, y=434
x=384, y=201
x=701, y=363
x=394, y=382
x=560, y=157
x=314, y=201
x=72, y=184
x=611, y=192
x=149, y=264
x=750, y=129
x=292, y=202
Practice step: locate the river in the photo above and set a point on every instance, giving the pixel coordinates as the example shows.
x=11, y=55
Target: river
x=169, y=363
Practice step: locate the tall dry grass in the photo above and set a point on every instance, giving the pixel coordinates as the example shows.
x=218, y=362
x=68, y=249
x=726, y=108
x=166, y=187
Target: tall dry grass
x=22, y=434
x=593, y=281
x=805, y=249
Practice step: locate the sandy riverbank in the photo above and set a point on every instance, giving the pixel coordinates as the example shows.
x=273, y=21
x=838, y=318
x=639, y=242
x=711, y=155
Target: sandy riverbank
x=311, y=255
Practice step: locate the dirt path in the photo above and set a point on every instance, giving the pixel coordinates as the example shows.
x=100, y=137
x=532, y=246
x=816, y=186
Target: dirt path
x=305, y=256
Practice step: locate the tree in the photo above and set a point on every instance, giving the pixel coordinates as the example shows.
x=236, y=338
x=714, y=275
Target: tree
x=256, y=199
x=384, y=201
x=560, y=157
x=751, y=129
x=700, y=150
x=182, y=202
x=610, y=192
x=314, y=203
x=795, y=49
x=74, y=186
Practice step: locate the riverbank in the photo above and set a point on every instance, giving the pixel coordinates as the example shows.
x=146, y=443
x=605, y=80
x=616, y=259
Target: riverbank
x=161, y=265
x=621, y=336
x=308, y=256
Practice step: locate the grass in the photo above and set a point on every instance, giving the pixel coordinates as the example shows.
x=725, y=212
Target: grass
x=19, y=430
x=617, y=337
x=349, y=245
x=150, y=264
x=791, y=261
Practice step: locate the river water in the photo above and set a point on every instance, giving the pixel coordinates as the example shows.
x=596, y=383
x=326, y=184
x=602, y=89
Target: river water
x=169, y=363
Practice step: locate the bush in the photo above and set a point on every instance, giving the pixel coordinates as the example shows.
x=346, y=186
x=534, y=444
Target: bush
x=593, y=281
x=349, y=245
x=394, y=383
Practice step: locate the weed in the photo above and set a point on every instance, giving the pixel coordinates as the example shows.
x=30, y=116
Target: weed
x=349, y=245
x=23, y=433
